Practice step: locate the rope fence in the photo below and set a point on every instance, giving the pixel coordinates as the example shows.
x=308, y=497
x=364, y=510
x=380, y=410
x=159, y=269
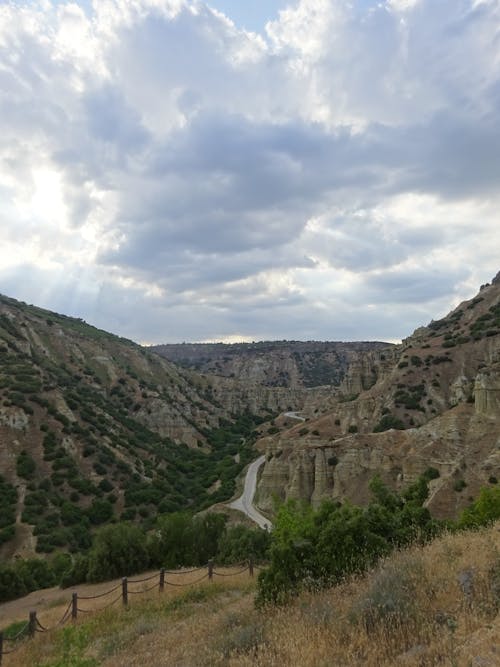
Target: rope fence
x=34, y=625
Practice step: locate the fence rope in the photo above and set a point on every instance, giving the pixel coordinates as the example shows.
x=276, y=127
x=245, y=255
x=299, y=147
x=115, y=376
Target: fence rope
x=85, y=611
x=140, y=581
x=110, y=604
x=16, y=637
x=194, y=569
x=64, y=617
x=100, y=595
x=145, y=590
x=189, y=583
x=229, y=574
x=40, y=627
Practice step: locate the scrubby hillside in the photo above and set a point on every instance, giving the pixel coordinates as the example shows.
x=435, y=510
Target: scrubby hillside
x=436, y=605
x=435, y=402
x=94, y=428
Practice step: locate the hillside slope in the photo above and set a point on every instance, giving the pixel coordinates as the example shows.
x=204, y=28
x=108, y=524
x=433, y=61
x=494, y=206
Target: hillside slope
x=436, y=605
x=436, y=402
x=94, y=427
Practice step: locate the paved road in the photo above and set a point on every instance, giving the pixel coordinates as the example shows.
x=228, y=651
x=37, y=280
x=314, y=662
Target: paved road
x=245, y=502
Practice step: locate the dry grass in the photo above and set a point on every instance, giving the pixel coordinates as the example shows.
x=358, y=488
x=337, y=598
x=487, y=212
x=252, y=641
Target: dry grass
x=436, y=605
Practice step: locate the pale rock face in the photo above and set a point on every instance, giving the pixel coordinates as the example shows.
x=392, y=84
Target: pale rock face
x=487, y=392
x=14, y=418
x=461, y=389
x=108, y=365
x=460, y=444
x=323, y=476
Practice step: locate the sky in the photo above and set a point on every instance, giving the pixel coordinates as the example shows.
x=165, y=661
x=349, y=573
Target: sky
x=175, y=170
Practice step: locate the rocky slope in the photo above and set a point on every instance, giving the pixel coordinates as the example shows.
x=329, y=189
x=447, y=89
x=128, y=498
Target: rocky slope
x=435, y=402
x=94, y=427
x=289, y=364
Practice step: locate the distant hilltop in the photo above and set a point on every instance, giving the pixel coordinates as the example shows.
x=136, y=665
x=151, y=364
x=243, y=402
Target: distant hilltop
x=282, y=363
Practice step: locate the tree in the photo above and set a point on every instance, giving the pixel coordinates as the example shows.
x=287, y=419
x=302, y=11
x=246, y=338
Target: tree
x=483, y=511
x=118, y=550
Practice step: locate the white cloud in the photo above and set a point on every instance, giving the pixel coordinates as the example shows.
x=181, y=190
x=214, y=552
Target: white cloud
x=335, y=177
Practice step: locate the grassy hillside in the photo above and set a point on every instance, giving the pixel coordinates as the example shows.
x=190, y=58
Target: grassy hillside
x=432, y=605
x=93, y=428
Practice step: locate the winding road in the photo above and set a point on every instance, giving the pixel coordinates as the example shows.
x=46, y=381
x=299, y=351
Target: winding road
x=245, y=502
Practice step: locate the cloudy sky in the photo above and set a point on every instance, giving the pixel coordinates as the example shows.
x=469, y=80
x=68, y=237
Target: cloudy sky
x=249, y=169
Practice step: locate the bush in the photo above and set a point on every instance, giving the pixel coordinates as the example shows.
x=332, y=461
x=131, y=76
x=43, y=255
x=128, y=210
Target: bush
x=25, y=465
x=483, y=511
x=387, y=422
x=11, y=584
x=181, y=539
x=100, y=511
x=390, y=601
x=77, y=573
x=312, y=549
x=459, y=485
x=118, y=550
x=239, y=543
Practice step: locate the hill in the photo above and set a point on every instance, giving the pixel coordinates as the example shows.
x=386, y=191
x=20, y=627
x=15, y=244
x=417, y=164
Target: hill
x=434, y=401
x=94, y=428
x=284, y=363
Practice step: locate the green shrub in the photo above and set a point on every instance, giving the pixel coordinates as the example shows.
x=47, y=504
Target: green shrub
x=316, y=548
x=387, y=422
x=459, y=485
x=25, y=465
x=118, y=550
x=483, y=511
x=238, y=543
x=100, y=511
x=11, y=584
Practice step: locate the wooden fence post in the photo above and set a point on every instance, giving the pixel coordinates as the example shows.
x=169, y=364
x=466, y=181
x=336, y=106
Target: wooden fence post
x=250, y=567
x=74, y=605
x=124, y=591
x=210, y=570
x=162, y=579
x=1, y=646
x=32, y=624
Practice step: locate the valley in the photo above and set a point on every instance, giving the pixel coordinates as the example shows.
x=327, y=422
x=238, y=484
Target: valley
x=95, y=428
